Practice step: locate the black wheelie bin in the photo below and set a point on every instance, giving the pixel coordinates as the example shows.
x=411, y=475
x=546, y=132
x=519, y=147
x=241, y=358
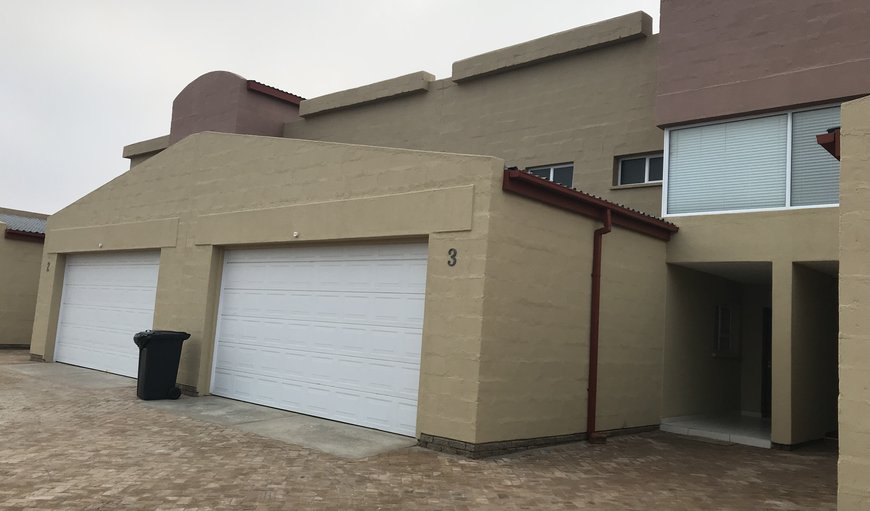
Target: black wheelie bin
x=159, y=354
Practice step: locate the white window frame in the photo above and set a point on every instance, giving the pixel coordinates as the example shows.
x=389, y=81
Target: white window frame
x=788, y=206
x=553, y=168
x=646, y=179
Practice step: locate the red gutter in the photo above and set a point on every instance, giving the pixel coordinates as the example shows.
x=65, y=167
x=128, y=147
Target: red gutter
x=533, y=187
x=24, y=235
x=592, y=436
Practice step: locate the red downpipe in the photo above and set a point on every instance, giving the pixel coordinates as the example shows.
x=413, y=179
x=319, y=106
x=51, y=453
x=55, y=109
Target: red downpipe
x=593, y=436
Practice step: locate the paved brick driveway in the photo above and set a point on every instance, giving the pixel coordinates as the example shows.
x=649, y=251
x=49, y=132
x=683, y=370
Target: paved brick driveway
x=90, y=448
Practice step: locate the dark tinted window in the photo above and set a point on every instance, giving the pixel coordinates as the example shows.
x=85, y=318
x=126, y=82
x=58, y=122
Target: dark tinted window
x=655, y=168
x=564, y=176
x=544, y=173
x=632, y=171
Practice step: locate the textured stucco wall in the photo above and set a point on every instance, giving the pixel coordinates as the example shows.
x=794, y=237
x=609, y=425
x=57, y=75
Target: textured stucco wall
x=19, y=279
x=536, y=321
x=535, y=339
x=633, y=294
x=721, y=59
x=854, y=403
x=221, y=101
x=212, y=190
x=587, y=108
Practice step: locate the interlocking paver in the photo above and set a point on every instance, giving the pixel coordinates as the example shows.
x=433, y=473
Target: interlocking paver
x=100, y=448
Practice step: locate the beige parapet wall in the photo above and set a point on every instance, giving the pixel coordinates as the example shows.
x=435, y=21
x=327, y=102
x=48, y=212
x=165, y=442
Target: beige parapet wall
x=570, y=42
x=387, y=89
x=854, y=415
x=505, y=334
x=19, y=279
x=583, y=96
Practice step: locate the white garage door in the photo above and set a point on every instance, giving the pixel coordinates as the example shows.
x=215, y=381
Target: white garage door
x=331, y=331
x=106, y=299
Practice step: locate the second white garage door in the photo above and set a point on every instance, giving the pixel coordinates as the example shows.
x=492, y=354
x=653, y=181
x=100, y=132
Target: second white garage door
x=331, y=331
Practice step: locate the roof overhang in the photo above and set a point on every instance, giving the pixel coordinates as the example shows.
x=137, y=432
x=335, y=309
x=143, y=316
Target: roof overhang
x=24, y=235
x=278, y=94
x=533, y=187
x=830, y=141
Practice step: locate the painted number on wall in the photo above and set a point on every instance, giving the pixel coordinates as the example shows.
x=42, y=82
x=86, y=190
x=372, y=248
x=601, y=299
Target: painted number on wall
x=451, y=257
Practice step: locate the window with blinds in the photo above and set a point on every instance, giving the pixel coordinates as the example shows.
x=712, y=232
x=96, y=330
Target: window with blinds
x=815, y=175
x=747, y=165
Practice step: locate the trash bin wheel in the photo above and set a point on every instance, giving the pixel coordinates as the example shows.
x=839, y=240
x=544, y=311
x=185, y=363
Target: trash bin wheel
x=174, y=393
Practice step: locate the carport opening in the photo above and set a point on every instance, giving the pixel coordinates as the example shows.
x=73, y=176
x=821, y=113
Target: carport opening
x=717, y=362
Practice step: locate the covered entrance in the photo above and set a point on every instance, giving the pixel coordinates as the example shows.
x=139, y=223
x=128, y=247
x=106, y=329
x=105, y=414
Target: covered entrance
x=751, y=359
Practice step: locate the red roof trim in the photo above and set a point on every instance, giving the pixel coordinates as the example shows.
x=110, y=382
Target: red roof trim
x=542, y=190
x=831, y=142
x=24, y=235
x=279, y=94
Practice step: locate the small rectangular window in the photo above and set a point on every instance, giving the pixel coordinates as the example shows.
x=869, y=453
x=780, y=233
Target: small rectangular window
x=562, y=173
x=640, y=169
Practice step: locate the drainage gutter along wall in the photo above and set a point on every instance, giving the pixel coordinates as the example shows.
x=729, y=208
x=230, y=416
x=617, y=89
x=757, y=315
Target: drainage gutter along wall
x=594, y=324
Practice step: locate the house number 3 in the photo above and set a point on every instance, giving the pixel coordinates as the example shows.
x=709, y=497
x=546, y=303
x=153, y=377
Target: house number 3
x=451, y=257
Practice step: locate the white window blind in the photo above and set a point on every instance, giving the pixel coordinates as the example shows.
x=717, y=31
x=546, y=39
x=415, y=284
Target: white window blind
x=729, y=166
x=815, y=174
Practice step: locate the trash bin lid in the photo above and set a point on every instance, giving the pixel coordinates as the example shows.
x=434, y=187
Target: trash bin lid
x=143, y=338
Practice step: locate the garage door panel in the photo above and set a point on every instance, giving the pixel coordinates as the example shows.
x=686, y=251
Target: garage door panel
x=349, y=278
x=333, y=343
x=110, y=297
x=103, y=318
x=369, y=310
x=328, y=331
x=106, y=298
x=352, y=373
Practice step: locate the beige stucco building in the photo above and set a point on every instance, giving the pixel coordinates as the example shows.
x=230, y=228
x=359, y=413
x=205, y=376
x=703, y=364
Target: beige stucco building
x=397, y=192
x=483, y=343
x=21, y=238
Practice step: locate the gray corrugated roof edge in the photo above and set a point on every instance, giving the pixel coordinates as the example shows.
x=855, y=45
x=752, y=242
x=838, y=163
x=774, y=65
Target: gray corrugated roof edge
x=20, y=223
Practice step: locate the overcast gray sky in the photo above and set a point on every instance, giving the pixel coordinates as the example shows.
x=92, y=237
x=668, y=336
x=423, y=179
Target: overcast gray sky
x=81, y=79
